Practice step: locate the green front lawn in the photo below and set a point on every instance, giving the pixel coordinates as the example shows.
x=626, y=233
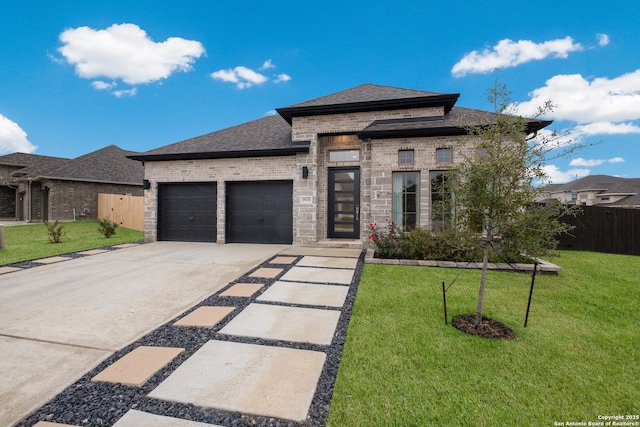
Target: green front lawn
x=28, y=242
x=579, y=356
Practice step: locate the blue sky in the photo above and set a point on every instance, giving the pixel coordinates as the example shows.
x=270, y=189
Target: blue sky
x=77, y=76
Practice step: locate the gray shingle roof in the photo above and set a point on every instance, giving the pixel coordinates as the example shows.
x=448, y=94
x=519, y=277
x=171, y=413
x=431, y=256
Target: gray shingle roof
x=109, y=164
x=269, y=135
x=30, y=160
x=365, y=93
x=368, y=97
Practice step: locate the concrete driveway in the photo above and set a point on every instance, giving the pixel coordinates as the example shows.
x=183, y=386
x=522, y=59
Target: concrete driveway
x=58, y=321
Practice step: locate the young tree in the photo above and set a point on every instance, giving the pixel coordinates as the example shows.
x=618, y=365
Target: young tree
x=494, y=186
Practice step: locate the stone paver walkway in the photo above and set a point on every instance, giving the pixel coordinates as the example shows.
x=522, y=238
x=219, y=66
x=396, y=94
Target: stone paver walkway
x=257, y=349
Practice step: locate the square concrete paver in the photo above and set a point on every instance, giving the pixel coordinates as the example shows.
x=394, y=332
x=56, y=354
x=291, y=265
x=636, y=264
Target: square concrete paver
x=318, y=275
x=242, y=290
x=4, y=270
x=266, y=272
x=248, y=378
x=309, y=325
x=137, y=366
x=321, y=261
x=306, y=294
x=135, y=418
x=283, y=260
x=49, y=424
x=205, y=317
x=94, y=252
x=332, y=252
x=51, y=260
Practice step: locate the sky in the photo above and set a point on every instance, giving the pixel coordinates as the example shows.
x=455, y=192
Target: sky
x=76, y=76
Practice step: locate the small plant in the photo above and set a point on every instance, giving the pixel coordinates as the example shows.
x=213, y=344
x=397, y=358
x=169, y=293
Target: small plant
x=107, y=227
x=55, y=231
x=387, y=240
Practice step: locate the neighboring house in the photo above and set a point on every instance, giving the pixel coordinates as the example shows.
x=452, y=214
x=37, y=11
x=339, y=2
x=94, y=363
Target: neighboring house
x=318, y=173
x=596, y=190
x=38, y=188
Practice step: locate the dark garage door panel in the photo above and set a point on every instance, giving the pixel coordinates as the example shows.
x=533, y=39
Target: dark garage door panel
x=187, y=212
x=260, y=212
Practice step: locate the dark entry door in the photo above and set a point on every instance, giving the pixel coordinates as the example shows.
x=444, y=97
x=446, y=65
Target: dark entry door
x=260, y=212
x=187, y=212
x=344, y=203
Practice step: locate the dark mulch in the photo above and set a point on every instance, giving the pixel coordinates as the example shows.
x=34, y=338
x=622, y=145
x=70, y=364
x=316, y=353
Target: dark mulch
x=488, y=328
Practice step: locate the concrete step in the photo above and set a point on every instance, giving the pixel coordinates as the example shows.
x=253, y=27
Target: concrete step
x=340, y=243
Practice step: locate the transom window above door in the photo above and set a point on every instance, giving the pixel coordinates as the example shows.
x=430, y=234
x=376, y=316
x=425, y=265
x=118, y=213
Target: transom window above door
x=344, y=155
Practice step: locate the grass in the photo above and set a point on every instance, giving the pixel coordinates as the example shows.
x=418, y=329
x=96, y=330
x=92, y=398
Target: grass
x=579, y=356
x=28, y=242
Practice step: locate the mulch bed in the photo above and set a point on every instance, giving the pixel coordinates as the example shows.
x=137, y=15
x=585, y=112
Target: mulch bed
x=488, y=328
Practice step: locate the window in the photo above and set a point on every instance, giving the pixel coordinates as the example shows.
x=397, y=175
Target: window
x=405, y=199
x=443, y=155
x=441, y=201
x=344, y=155
x=405, y=157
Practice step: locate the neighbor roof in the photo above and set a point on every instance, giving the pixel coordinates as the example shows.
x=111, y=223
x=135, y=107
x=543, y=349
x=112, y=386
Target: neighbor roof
x=26, y=160
x=109, y=164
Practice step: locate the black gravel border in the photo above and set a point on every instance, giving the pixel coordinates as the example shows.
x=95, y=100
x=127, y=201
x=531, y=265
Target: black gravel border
x=87, y=403
x=71, y=255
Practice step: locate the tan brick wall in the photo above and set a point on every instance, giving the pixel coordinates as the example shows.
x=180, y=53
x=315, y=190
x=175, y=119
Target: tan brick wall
x=304, y=128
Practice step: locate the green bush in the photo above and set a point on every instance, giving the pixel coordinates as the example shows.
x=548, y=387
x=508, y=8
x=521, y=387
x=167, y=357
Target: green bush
x=448, y=245
x=107, y=227
x=55, y=231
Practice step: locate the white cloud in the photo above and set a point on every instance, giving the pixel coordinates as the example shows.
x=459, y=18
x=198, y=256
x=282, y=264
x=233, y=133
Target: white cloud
x=271, y=113
x=100, y=85
x=603, y=39
x=508, y=53
x=267, y=64
x=580, y=162
x=13, y=138
x=282, y=78
x=245, y=77
x=126, y=52
x=583, y=101
x=556, y=176
x=242, y=76
x=607, y=128
x=125, y=92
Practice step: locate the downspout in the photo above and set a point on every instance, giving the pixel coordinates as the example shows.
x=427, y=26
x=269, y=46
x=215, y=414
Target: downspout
x=28, y=213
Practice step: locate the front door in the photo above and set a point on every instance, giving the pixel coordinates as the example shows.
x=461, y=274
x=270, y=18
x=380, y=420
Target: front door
x=344, y=203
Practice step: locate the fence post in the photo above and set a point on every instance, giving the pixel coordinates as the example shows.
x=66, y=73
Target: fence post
x=1, y=236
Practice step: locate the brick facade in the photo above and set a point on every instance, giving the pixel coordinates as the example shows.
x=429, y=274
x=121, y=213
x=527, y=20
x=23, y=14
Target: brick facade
x=326, y=124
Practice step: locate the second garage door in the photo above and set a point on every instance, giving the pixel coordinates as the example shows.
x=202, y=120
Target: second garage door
x=259, y=212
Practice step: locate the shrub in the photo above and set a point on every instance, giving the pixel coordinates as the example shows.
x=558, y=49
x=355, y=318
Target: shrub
x=448, y=245
x=387, y=240
x=107, y=227
x=55, y=231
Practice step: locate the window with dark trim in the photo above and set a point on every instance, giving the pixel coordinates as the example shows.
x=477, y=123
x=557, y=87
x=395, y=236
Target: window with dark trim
x=443, y=155
x=441, y=201
x=405, y=199
x=405, y=157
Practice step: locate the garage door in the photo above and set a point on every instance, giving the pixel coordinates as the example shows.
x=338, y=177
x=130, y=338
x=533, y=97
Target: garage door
x=260, y=212
x=187, y=212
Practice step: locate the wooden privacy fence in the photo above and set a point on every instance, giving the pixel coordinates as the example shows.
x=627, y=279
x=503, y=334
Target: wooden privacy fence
x=126, y=211
x=603, y=229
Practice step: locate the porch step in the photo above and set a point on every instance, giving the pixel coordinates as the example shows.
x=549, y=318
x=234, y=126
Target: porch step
x=340, y=243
